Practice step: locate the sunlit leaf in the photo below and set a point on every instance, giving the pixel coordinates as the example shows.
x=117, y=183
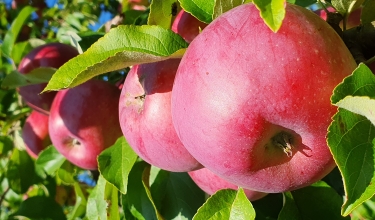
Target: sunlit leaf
x=272, y=12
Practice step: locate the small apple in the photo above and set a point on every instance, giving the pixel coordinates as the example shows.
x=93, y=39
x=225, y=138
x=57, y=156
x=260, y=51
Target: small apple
x=35, y=133
x=145, y=116
x=211, y=183
x=187, y=26
x=253, y=106
x=48, y=55
x=83, y=122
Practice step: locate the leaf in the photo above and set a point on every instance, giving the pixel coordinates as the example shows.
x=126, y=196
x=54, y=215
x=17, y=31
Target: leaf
x=81, y=203
x=203, y=10
x=40, y=207
x=12, y=33
x=350, y=138
x=175, y=194
x=6, y=145
x=161, y=13
x=66, y=172
x=137, y=200
x=222, y=6
x=345, y=7
x=318, y=201
x=365, y=210
x=226, y=204
x=116, y=162
x=361, y=105
x=103, y=201
x=268, y=207
x=38, y=75
x=360, y=83
x=368, y=15
x=303, y=3
x=21, y=171
x=272, y=12
x=121, y=47
x=50, y=160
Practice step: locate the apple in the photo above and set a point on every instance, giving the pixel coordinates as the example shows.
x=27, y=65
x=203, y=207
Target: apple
x=253, y=106
x=211, y=183
x=187, y=26
x=82, y=122
x=48, y=55
x=35, y=133
x=354, y=18
x=146, y=120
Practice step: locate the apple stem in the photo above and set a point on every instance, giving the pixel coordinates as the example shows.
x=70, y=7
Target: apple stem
x=283, y=141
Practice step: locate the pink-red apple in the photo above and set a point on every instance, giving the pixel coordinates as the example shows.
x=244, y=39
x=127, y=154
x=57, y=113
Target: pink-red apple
x=84, y=121
x=48, y=55
x=146, y=120
x=187, y=26
x=211, y=183
x=253, y=106
x=35, y=133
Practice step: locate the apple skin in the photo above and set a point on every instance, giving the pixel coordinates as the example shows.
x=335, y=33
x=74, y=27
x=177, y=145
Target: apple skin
x=82, y=122
x=240, y=86
x=48, y=55
x=187, y=26
x=146, y=122
x=211, y=183
x=35, y=133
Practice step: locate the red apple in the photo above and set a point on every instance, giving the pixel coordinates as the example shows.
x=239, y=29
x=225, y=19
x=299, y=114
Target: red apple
x=187, y=26
x=35, y=133
x=84, y=121
x=211, y=183
x=145, y=116
x=48, y=55
x=253, y=106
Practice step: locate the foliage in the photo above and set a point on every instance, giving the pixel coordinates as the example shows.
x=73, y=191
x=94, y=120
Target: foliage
x=125, y=187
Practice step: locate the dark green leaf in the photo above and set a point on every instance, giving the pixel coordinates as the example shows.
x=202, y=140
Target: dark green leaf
x=175, y=194
x=116, y=162
x=222, y=6
x=226, y=204
x=123, y=46
x=272, y=12
x=6, y=145
x=50, y=160
x=290, y=209
x=40, y=207
x=269, y=207
x=39, y=75
x=303, y=3
x=81, y=202
x=345, y=7
x=161, y=13
x=21, y=171
x=201, y=9
x=368, y=15
x=12, y=33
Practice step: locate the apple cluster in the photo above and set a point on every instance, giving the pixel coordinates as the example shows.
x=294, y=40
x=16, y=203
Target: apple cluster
x=244, y=107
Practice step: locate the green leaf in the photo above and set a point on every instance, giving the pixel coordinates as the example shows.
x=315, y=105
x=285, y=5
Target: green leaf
x=272, y=12
x=268, y=207
x=66, y=172
x=6, y=145
x=121, y=47
x=12, y=33
x=368, y=15
x=39, y=75
x=360, y=83
x=222, y=6
x=80, y=205
x=361, y=105
x=303, y=3
x=175, y=194
x=103, y=201
x=116, y=162
x=345, y=7
x=365, y=210
x=203, y=10
x=21, y=171
x=41, y=207
x=226, y=204
x=350, y=138
x=50, y=160
x=137, y=199
x=161, y=13
x=318, y=201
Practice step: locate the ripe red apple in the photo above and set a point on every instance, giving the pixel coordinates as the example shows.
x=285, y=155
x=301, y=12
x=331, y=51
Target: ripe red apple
x=187, y=26
x=35, y=133
x=83, y=121
x=48, y=55
x=145, y=116
x=211, y=183
x=253, y=106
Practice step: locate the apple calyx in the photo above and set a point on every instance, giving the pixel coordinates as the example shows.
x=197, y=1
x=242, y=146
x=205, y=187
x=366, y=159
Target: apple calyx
x=141, y=97
x=283, y=140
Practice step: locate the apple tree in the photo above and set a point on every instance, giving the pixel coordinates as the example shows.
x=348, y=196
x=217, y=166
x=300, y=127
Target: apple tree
x=182, y=109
